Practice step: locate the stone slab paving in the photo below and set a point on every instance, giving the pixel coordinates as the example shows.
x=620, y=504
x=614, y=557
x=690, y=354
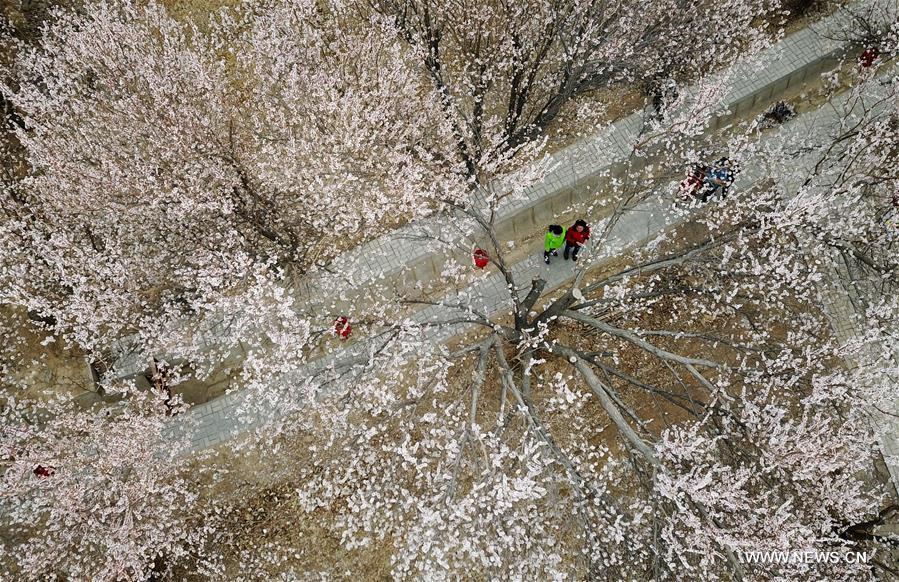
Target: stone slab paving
x=845, y=294
x=845, y=297
x=215, y=421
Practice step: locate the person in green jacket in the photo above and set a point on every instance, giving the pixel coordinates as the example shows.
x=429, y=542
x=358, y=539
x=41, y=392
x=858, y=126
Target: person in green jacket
x=555, y=237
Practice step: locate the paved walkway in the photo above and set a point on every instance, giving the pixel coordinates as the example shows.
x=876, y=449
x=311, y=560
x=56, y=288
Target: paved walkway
x=847, y=291
x=217, y=421
x=846, y=296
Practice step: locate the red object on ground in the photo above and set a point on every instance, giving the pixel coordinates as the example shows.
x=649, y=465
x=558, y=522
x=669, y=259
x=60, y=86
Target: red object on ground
x=481, y=258
x=868, y=56
x=42, y=471
x=342, y=327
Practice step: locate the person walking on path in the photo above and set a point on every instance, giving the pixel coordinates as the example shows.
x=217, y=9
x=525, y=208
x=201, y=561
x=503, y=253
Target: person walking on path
x=575, y=237
x=553, y=240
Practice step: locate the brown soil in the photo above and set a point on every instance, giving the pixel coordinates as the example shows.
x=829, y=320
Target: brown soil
x=34, y=368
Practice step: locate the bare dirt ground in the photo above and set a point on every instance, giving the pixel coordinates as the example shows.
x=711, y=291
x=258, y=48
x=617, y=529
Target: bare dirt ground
x=38, y=364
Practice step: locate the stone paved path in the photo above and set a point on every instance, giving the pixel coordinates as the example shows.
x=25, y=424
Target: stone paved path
x=845, y=298
x=846, y=292
x=787, y=63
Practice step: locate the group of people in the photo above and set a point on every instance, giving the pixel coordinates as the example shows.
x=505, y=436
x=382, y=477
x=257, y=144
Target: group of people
x=703, y=181
x=573, y=238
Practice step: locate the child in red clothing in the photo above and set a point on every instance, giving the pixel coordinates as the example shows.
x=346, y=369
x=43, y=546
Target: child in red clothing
x=576, y=237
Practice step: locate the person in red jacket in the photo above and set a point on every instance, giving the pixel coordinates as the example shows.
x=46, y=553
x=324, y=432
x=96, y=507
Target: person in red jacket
x=576, y=237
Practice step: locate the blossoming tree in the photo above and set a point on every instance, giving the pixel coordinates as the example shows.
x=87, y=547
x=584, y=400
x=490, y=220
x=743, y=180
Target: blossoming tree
x=165, y=174
x=670, y=406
